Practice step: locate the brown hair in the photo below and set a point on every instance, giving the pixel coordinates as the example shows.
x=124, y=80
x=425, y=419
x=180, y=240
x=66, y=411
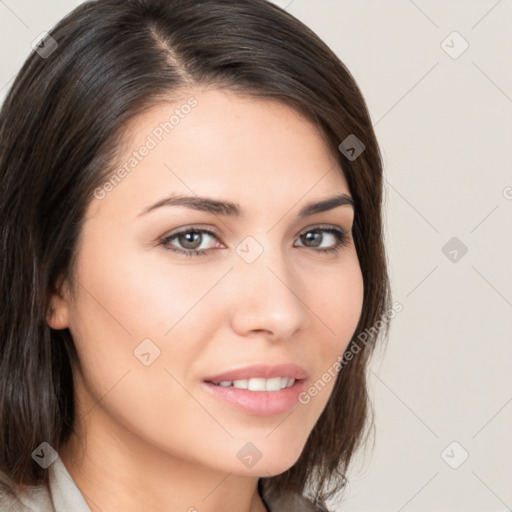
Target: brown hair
x=60, y=127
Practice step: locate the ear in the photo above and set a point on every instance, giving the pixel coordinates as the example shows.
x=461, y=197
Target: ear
x=57, y=316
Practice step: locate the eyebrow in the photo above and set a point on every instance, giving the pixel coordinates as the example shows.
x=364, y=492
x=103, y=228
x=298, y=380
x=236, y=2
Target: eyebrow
x=230, y=209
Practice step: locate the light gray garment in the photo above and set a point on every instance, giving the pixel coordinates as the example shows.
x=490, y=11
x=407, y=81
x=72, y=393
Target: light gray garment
x=66, y=497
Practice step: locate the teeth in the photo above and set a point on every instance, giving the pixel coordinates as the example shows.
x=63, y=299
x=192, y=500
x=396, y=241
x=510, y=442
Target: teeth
x=259, y=384
x=272, y=384
x=255, y=384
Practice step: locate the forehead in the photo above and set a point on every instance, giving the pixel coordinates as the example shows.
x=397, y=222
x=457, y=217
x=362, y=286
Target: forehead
x=220, y=143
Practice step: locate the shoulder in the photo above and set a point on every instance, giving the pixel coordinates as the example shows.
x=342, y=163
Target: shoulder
x=26, y=499
x=8, y=501
x=289, y=502
x=62, y=496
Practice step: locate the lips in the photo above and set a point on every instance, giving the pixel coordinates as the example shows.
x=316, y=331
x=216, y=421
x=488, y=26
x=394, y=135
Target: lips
x=228, y=387
x=291, y=371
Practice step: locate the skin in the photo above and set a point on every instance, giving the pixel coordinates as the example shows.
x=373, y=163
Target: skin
x=155, y=439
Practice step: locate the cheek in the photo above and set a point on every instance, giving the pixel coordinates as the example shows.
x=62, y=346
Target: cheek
x=132, y=370
x=130, y=295
x=340, y=303
x=139, y=326
x=340, y=300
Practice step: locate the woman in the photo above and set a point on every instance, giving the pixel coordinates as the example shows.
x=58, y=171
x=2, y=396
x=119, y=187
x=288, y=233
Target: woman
x=192, y=262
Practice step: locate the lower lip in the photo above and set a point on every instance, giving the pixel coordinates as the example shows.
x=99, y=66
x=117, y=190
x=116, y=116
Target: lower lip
x=259, y=403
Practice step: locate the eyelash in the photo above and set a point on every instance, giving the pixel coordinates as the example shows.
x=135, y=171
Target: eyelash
x=341, y=236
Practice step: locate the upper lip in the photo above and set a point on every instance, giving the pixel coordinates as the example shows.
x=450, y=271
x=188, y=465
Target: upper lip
x=264, y=371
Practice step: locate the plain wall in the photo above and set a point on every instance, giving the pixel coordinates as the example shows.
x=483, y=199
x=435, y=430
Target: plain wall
x=443, y=388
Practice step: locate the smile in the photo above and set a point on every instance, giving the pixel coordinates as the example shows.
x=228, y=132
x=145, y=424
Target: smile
x=258, y=384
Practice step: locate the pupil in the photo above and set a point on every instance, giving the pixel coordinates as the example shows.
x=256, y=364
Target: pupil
x=313, y=236
x=187, y=240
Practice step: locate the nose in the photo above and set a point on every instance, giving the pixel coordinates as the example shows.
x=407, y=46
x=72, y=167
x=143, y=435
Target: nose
x=267, y=296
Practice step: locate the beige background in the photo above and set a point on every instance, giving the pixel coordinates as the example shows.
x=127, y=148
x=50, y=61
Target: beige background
x=445, y=128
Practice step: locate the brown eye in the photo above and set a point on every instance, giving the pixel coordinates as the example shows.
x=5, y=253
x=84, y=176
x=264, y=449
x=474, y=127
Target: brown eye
x=188, y=241
x=314, y=238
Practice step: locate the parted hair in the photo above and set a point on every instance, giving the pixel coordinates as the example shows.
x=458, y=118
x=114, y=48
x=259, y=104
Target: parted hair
x=61, y=124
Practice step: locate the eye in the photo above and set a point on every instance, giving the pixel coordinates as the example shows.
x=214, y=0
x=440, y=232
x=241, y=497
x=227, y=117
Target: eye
x=315, y=238
x=190, y=240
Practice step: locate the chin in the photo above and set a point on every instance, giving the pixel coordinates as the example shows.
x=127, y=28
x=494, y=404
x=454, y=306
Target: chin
x=271, y=461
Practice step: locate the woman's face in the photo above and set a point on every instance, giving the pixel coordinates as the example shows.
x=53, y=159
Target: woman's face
x=156, y=314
